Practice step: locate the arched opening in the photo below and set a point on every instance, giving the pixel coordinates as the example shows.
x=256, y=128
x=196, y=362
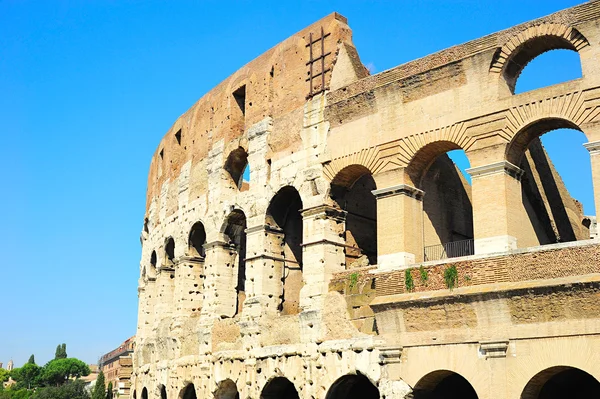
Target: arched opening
x=170, y=252
x=153, y=262
x=444, y=384
x=226, y=389
x=279, y=388
x=352, y=191
x=353, y=386
x=511, y=62
x=163, y=392
x=238, y=168
x=447, y=202
x=144, y=393
x=189, y=392
x=283, y=215
x=548, y=69
x=197, y=240
x=235, y=230
x=134, y=394
x=561, y=382
x=553, y=214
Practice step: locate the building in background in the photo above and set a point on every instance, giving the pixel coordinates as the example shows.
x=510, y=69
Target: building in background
x=117, y=367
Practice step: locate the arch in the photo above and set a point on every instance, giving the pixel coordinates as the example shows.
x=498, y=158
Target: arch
x=226, y=389
x=234, y=229
x=279, y=388
x=196, y=240
x=352, y=191
x=169, y=252
x=447, y=202
x=549, y=69
x=134, y=394
x=561, y=382
x=444, y=384
x=153, y=261
x=283, y=214
x=353, y=386
x=531, y=131
x=520, y=49
x=144, y=393
x=188, y=392
x=163, y=392
x=236, y=163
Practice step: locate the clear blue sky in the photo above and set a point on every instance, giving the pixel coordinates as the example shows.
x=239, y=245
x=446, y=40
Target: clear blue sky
x=88, y=88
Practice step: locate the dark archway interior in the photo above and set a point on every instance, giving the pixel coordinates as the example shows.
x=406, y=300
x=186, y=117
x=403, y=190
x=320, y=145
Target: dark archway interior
x=226, y=389
x=352, y=192
x=134, y=394
x=197, y=240
x=562, y=382
x=144, y=393
x=284, y=215
x=170, y=251
x=190, y=392
x=279, y=388
x=153, y=260
x=235, y=164
x=444, y=384
x=235, y=230
x=355, y=386
x=163, y=392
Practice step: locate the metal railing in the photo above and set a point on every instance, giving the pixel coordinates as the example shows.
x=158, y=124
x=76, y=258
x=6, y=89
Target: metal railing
x=449, y=250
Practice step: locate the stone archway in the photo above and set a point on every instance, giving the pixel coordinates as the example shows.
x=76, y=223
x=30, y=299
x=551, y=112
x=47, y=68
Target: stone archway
x=353, y=386
x=226, y=389
x=561, y=382
x=444, y=384
x=279, y=388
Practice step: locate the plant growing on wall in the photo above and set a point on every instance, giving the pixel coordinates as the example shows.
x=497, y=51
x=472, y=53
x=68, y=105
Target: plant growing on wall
x=451, y=276
x=408, y=280
x=424, y=275
x=353, y=279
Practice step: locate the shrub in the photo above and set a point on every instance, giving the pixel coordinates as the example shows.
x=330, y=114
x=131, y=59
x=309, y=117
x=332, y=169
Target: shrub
x=408, y=280
x=451, y=276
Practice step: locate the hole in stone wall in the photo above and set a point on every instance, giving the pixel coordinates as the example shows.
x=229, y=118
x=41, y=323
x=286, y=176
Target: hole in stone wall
x=238, y=168
x=178, y=136
x=169, y=252
x=197, y=240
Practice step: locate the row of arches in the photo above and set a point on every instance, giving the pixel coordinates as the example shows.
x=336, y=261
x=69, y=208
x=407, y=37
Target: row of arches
x=557, y=382
x=283, y=223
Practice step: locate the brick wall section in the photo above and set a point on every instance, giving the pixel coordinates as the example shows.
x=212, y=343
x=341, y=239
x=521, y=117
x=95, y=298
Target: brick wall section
x=544, y=264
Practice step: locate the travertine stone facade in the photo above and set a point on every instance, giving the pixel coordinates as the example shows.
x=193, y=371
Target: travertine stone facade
x=326, y=273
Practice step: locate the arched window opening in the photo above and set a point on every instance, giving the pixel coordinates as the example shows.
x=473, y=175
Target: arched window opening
x=447, y=202
x=235, y=230
x=352, y=191
x=238, y=168
x=163, y=392
x=197, y=240
x=548, y=69
x=144, y=393
x=561, y=382
x=279, y=388
x=226, y=389
x=551, y=182
x=170, y=252
x=134, y=394
x=153, y=262
x=353, y=386
x=444, y=384
x=284, y=215
x=189, y=392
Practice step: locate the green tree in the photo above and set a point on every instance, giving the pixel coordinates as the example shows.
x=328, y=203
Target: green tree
x=4, y=374
x=31, y=359
x=58, y=371
x=109, y=391
x=70, y=390
x=26, y=376
x=99, y=391
x=61, y=352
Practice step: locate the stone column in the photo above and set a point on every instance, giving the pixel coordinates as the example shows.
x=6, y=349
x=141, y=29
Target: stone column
x=220, y=297
x=189, y=286
x=322, y=252
x=264, y=266
x=165, y=285
x=399, y=226
x=497, y=206
x=594, y=148
x=149, y=303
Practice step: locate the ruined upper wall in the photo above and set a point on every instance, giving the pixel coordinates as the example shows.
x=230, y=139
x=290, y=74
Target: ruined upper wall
x=568, y=17
x=276, y=86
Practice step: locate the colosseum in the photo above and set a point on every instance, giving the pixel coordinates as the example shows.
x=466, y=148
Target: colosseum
x=354, y=259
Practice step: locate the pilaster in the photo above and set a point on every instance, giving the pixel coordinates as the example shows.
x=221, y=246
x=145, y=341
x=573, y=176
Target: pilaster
x=594, y=148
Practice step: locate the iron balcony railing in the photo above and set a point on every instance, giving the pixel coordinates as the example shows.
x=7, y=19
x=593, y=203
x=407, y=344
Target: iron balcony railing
x=449, y=250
